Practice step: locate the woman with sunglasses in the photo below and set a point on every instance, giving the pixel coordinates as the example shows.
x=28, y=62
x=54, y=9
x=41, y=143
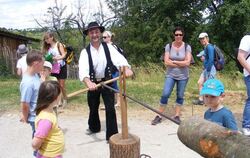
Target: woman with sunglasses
x=177, y=60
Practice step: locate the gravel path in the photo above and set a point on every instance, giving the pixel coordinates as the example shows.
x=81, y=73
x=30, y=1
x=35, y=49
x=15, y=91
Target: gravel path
x=159, y=141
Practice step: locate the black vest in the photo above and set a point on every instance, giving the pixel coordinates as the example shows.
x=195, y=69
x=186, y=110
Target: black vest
x=109, y=67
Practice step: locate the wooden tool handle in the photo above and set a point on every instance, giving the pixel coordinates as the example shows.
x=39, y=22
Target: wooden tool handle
x=86, y=89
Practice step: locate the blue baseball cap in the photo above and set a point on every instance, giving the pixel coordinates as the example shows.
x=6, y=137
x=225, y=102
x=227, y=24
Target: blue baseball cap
x=212, y=87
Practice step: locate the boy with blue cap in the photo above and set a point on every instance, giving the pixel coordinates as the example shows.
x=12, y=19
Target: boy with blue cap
x=213, y=92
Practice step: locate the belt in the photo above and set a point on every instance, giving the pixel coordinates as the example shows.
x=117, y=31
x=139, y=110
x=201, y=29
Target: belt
x=100, y=79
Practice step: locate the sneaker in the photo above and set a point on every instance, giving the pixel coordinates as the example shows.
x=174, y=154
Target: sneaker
x=156, y=120
x=177, y=118
x=198, y=102
x=246, y=131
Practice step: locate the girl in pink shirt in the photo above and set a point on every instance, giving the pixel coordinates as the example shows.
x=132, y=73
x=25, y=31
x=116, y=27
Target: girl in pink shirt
x=48, y=138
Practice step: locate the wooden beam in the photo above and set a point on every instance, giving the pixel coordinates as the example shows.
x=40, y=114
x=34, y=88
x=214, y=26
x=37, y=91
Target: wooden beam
x=211, y=140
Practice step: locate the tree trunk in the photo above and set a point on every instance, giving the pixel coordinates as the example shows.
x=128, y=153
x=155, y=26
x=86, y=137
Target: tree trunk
x=124, y=148
x=211, y=140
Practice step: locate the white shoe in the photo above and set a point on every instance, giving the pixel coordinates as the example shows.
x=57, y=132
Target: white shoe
x=246, y=131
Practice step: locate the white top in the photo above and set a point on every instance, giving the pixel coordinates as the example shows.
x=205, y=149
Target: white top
x=22, y=64
x=99, y=61
x=55, y=52
x=245, y=46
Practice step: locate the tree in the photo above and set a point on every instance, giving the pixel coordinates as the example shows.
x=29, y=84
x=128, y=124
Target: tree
x=144, y=27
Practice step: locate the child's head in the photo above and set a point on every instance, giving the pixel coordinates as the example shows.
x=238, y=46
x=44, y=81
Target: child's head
x=35, y=60
x=47, y=66
x=213, y=92
x=48, y=95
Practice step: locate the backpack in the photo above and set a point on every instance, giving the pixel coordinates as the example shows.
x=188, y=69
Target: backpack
x=219, y=60
x=170, y=45
x=69, y=53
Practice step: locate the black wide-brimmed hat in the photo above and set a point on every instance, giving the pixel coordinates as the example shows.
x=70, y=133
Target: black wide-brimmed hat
x=93, y=25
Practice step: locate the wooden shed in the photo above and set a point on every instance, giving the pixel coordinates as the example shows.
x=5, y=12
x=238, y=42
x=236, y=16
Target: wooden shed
x=8, y=45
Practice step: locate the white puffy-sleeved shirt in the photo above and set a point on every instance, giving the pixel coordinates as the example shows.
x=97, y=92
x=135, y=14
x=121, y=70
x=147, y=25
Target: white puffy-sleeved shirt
x=99, y=61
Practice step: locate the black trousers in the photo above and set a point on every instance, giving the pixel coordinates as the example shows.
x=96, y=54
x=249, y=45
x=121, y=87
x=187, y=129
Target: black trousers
x=93, y=103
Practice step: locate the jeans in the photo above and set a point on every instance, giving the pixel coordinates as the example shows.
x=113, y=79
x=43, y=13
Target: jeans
x=168, y=88
x=246, y=112
x=32, y=124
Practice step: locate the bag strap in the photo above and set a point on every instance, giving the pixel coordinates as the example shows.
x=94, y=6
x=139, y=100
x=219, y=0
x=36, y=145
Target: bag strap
x=58, y=47
x=91, y=67
x=107, y=53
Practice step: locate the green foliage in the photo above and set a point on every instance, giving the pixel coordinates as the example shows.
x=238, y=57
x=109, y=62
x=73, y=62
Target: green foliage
x=4, y=71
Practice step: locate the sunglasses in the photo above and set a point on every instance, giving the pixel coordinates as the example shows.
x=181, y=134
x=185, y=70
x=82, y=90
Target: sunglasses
x=178, y=34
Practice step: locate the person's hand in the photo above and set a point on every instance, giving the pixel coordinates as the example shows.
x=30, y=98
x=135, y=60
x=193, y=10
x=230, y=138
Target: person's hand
x=91, y=85
x=128, y=72
x=23, y=119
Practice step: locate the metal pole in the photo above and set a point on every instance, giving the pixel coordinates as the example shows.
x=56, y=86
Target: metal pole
x=143, y=104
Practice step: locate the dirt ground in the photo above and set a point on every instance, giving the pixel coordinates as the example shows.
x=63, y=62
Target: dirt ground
x=158, y=141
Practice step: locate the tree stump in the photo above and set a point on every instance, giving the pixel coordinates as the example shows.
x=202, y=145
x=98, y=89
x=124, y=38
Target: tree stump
x=124, y=148
x=211, y=140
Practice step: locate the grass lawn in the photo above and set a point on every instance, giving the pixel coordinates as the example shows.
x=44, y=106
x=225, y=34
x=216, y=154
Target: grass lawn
x=146, y=87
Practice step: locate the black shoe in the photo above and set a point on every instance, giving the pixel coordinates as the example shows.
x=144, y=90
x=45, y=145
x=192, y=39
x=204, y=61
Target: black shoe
x=198, y=102
x=177, y=118
x=156, y=120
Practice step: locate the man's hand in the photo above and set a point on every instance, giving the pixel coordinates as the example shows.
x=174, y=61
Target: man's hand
x=91, y=85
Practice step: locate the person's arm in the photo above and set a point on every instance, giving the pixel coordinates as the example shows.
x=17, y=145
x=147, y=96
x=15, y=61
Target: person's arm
x=210, y=54
x=19, y=68
x=84, y=70
x=168, y=61
x=242, y=59
x=25, y=112
x=43, y=128
x=119, y=60
x=63, y=53
x=230, y=121
x=184, y=63
x=19, y=71
x=37, y=143
x=91, y=85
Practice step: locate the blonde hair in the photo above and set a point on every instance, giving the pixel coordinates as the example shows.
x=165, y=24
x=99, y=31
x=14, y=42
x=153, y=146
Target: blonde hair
x=110, y=34
x=45, y=45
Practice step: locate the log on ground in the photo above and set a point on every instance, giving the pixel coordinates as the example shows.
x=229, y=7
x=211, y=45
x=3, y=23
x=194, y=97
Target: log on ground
x=124, y=148
x=211, y=140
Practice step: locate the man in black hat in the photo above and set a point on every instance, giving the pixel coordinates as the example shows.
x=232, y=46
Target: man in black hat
x=95, y=65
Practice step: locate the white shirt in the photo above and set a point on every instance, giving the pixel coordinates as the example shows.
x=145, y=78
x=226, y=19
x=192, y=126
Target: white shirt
x=55, y=52
x=22, y=64
x=99, y=61
x=245, y=46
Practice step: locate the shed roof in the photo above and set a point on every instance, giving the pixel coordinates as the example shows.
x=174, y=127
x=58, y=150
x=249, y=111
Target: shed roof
x=16, y=36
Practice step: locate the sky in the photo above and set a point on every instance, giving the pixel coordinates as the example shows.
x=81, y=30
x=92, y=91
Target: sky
x=20, y=14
